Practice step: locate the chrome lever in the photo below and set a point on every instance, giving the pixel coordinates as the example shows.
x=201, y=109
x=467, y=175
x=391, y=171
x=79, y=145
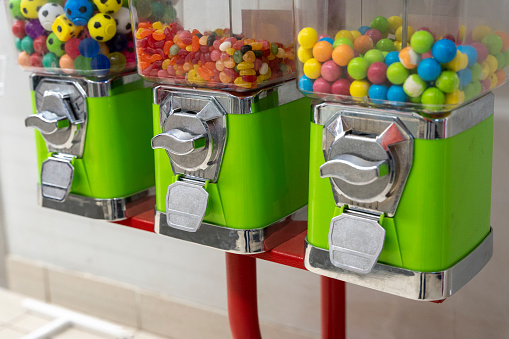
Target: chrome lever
x=354, y=170
x=47, y=122
x=179, y=142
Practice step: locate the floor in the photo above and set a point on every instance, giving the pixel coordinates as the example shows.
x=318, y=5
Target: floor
x=16, y=322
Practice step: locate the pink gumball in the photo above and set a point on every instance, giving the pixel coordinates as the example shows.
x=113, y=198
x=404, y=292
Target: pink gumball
x=482, y=51
x=321, y=86
x=486, y=83
x=377, y=73
x=341, y=87
x=374, y=34
x=331, y=71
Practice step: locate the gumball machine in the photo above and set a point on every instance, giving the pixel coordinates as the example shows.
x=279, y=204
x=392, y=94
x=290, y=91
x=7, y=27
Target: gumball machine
x=230, y=128
x=401, y=139
x=92, y=139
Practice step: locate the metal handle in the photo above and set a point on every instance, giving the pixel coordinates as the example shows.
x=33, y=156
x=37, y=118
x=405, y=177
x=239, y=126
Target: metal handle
x=47, y=122
x=354, y=170
x=179, y=142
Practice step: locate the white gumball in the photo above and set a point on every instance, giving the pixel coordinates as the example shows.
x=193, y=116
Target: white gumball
x=123, y=19
x=48, y=13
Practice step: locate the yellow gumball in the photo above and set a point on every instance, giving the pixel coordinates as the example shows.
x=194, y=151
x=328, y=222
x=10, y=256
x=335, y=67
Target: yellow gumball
x=312, y=68
x=399, y=33
x=395, y=22
x=480, y=32
x=493, y=81
x=398, y=45
x=492, y=63
x=463, y=33
x=304, y=54
x=485, y=70
x=307, y=37
x=454, y=98
x=459, y=62
x=344, y=34
x=359, y=88
x=355, y=34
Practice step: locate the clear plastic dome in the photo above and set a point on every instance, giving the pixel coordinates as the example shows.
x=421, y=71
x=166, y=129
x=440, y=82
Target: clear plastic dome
x=419, y=55
x=236, y=45
x=77, y=37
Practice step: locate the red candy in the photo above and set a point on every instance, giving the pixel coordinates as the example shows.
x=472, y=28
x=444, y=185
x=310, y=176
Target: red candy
x=374, y=34
x=40, y=45
x=36, y=60
x=18, y=29
x=322, y=86
x=71, y=47
x=330, y=71
x=341, y=87
x=377, y=73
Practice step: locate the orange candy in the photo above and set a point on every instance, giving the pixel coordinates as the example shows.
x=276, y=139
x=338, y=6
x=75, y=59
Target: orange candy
x=205, y=73
x=322, y=51
x=224, y=78
x=500, y=76
x=158, y=35
x=195, y=43
x=363, y=44
x=167, y=46
x=145, y=33
x=67, y=63
x=229, y=63
x=156, y=57
x=505, y=39
x=342, y=55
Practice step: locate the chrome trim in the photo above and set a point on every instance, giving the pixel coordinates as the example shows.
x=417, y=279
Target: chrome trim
x=103, y=209
x=92, y=88
x=427, y=286
x=236, y=103
x=236, y=240
x=431, y=126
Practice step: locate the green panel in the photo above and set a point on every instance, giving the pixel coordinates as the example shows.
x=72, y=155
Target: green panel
x=117, y=159
x=444, y=212
x=264, y=171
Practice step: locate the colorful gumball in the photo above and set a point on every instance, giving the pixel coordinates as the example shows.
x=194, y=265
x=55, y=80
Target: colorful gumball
x=414, y=86
x=307, y=37
x=358, y=68
x=374, y=55
x=429, y=69
x=321, y=86
x=397, y=73
x=108, y=6
x=27, y=44
x=18, y=29
x=342, y=55
x=493, y=42
x=322, y=51
x=482, y=51
x=386, y=45
x=363, y=44
x=470, y=52
x=396, y=93
x=377, y=73
x=359, y=88
x=444, y=51
x=306, y=84
x=102, y=27
x=448, y=82
x=78, y=11
x=48, y=14
x=375, y=35
x=391, y=58
x=312, y=68
x=395, y=22
x=433, y=97
x=34, y=29
x=341, y=87
x=378, y=93
x=303, y=54
x=123, y=19
x=421, y=42
x=66, y=63
x=40, y=45
x=409, y=58
x=72, y=47
x=381, y=24
x=50, y=60
x=331, y=71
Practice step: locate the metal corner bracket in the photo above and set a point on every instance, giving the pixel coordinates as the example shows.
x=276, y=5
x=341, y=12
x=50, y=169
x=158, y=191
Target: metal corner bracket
x=240, y=241
x=102, y=209
x=425, y=286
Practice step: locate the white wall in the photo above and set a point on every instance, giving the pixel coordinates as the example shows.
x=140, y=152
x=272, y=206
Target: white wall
x=287, y=296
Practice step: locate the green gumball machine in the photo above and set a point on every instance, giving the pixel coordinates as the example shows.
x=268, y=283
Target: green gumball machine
x=92, y=138
x=231, y=132
x=401, y=140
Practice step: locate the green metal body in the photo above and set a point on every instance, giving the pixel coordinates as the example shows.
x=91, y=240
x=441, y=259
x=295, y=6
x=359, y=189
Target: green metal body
x=117, y=159
x=444, y=212
x=264, y=170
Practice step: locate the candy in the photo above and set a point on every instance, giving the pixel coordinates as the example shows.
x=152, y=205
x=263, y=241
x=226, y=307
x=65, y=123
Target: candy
x=342, y=41
x=18, y=29
x=429, y=69
x=386, y=45
x=433, y=96
x=421, y=41
x=374, y=55
x=492, y=63
x=375, y=35
x=482, y=51
x=304, y=54
x=399, y=34
x=377, y=73
x=396, y=94
x=414, y=86
x=342, y=55
x=480, y=32
x=391, y=58
x=102, y=27
x=364, y=29
x=493, y=42
x=312, y=68
x=88, y=48
x=78, y=11
x=341, y=87
x=328, y=39
x=476, y=71
x=322, y=86
x=344, y=34
x=381, y=24
x=108, y=6
x=448, y=82
x=358, y=68
x=395, y=22
x=30, y=8
x=397, y=73
x=305, y=84
x=470, y=52
x=66, y=63
x=330, y=71
x=359, y=88
x=307, y=37
x=454, y=98
x=459, y=62
x=444, y=50
x=322, y=51
x=465, y=76
x=363, y=44
x=409, y=58
x=377, y=93
x=505, y=39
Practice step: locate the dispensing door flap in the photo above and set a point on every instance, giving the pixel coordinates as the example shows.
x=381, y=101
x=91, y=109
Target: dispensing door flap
x=355, y=242
x=186, y=204
x=56, y=178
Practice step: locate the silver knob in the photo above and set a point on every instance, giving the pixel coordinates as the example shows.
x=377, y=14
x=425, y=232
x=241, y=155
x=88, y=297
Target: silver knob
x=47, y=122
x=179, y=142
x=354, y=170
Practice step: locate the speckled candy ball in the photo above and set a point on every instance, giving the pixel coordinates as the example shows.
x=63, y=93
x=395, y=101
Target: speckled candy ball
x=414, y=86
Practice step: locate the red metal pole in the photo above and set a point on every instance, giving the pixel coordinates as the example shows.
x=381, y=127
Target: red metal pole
x=333, y=309
x=242, y=298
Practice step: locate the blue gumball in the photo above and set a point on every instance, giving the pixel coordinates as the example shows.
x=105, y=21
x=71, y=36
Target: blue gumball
x=429, y=69
x=377, y=93
x=364, y=29
x=444, y=51
x=471, y=53
x=391, y=58
x=118, y=43
x=465, y=76
x=305, y=84
x=396, y=94
x=100, y=65
x=88, y=47
x=78, y=11
x=329, y=40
